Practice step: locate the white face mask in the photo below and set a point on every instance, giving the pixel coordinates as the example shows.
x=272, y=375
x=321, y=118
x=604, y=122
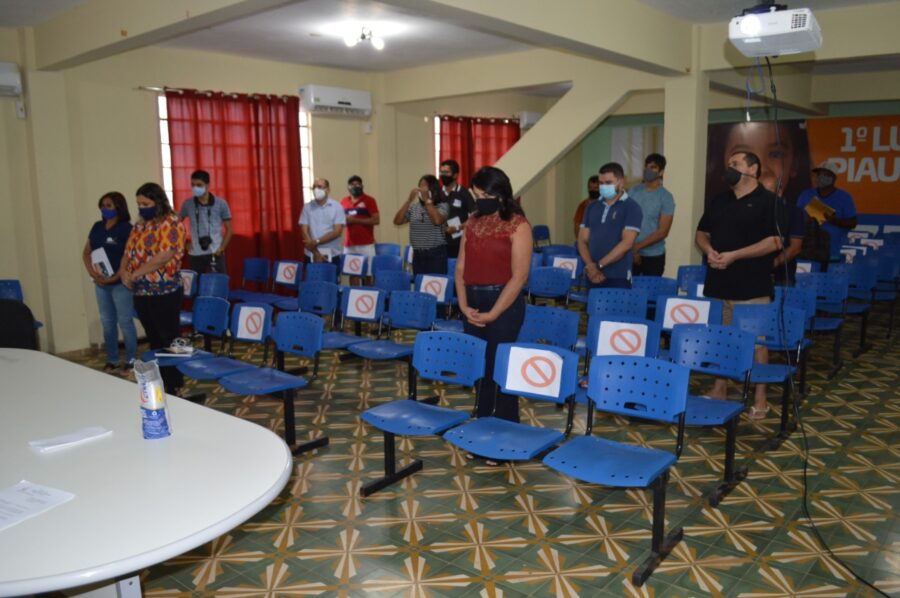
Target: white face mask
x=319, y=194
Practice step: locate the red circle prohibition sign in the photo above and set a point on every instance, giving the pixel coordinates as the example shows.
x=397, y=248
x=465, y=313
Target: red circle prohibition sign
x=289, y=272
x=433, y=287
x=364, y=304
x=253, y=323
x=625, y=341
x=539, y=372
x=355, y=265
x=684, y=313
x=567, y=265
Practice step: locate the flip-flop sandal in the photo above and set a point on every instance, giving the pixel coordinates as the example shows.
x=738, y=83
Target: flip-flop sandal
x=757, y=414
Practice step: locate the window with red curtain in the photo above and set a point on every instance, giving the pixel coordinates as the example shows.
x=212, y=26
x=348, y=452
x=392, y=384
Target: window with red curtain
x=250, y=146
x=476, y=142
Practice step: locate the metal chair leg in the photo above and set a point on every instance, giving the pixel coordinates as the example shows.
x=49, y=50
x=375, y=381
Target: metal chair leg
x=731, y=477
x=391, y=475
x=661, y=545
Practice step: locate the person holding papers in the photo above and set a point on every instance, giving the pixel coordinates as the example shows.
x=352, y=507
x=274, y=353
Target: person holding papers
x=322, y=223
x=831, y=207
x=427, y=218
x=460, y=204
x=102, y=256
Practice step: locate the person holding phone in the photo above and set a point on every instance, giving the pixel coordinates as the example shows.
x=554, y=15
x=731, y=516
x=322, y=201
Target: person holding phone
x=426, y=220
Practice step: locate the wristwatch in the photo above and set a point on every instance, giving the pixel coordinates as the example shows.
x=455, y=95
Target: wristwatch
x=599, y=265
x=316, y=242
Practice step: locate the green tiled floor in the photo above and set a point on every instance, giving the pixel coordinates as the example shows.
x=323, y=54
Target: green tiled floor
x=461, y=528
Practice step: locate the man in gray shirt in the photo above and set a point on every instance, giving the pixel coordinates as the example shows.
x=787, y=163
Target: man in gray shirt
x=322, y=223
x=208, y=216
x=658, y=209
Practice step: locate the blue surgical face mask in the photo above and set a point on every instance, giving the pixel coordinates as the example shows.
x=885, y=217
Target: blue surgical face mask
x=147, y=213
x=108, y=213
x=198, y=190
x=608, y=191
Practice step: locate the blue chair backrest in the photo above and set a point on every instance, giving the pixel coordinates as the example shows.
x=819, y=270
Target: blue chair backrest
x=213, y=285
x=288, y=274
x=612, y=335
x=540, y=232
x=639, y=386
x=862, y=274
x=541, y=372
x=410, y=309
x=363, y=304
x=393, y=280
x=829, y=287
x=629, y=303
x=798, y=298
x=781, y=328
x=451, y=357
x=387, y=249
x=251, y=322
x=888, y=263
x=892, y=238
x=688, y=276
x=11, y=289
x=210, y=315
x=654, y=286
x=318, y=297
x=440, y=286
x=189, y=283
x=381, y=263
x=354, y=264
x=321, y=271
x=549, y=282
x=550, y=325
x=549, y=250
x=675, y=311
x=299, y=334
x=718, y=350
x=537, y=261
x=256, y=269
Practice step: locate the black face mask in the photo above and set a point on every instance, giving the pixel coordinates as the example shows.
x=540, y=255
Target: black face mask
x=594, y=194
x=446, y=179
x=732, y=176
x=356, y=191
x=487, y=205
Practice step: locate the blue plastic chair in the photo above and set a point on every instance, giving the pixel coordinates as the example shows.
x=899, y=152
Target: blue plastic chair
x=541, y=234
x=886, y=288
x=725, y=352
x=549, y=283
x=256, y=270
x=781, y=330
x=409, y=310
x=862, y=276
x=549, y=325
x=804, y=300
x=12, y=289
x=641, y=387
x=189, y=284
x=387, y=249
x=830, y=289
x=676, y=311
x=690, y=276
x=210, y=320
x=365, y=265
x=371, y=312
x=297, y=334
x=393, y=280
x=321, y=271
x=213, y=284
x=448, y=357
x=217, y=367
x=550, y=251
x=630, y=304
x=386, y=263
x=443, y=288
x=495, y=438
x=654, y=286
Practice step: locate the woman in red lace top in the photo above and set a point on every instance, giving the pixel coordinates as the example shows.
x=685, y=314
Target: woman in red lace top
x=494, y=259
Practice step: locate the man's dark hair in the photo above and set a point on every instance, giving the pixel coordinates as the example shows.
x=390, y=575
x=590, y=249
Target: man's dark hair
x=158, y=195
x=614, y=168
x=750, y=159
x=354, y=179
x=119, y=204
x=200, y=175
x=453, y=165
x=657, y=159
x=594, y=178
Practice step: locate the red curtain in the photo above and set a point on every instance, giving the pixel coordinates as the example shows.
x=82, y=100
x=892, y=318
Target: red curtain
x=476, y=142
x=250, y=145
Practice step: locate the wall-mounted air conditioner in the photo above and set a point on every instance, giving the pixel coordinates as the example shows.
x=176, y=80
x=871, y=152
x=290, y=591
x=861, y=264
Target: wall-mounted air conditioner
x=10, y=80
x=528, y=119
x=335, y=101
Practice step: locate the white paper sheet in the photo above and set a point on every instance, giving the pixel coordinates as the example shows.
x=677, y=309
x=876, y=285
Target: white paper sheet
x=455, y=222
x=101, y=260
x=25, y=500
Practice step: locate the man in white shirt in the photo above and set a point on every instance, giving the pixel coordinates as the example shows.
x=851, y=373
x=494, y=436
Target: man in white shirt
x=322, y=224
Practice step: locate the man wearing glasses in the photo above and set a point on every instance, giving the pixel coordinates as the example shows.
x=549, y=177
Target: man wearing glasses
x=322, y=224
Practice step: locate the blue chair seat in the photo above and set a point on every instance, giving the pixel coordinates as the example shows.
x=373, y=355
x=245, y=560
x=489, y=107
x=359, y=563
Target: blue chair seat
x=412, y=418
x=496, y=438
x=341, y=340
x=604, y=461
x=770, y=373
x=172, y=361
x=827, y=324
x=261, y=381
x=186, y=318
x=449, y=325
x=853, y=309
x=382, y=349
x=702, y=411
x=287, y=304
x=213, y=369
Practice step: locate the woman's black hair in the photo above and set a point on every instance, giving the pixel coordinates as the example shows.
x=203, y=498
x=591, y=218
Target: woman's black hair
x=159, y=197
x=119, y=203
x=495, y=183
x=434, y=185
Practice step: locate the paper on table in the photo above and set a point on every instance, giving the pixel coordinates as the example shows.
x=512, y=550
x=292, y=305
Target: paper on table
x=818, y=210
x=67, y=440
x=456, y=223
x=100, y=259
x=25, y=500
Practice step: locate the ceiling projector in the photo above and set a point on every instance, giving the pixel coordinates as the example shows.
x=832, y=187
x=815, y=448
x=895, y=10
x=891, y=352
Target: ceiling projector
x=772, y=30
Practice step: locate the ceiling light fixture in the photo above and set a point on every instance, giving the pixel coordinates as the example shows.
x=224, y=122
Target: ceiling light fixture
x=365, y=35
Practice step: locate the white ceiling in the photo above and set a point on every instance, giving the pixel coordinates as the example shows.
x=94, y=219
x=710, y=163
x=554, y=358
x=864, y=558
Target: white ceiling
x=28, y=13
x=717, y=11
x=304, y=33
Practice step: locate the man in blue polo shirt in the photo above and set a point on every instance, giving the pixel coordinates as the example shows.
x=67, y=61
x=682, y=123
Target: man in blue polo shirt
x=608, y=231
x=844, y=217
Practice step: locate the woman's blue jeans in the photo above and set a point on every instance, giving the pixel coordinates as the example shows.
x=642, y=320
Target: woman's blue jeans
x=116, y=310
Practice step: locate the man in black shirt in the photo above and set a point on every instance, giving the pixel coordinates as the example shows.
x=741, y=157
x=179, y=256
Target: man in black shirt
x=460, y=201
x=739, y=236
